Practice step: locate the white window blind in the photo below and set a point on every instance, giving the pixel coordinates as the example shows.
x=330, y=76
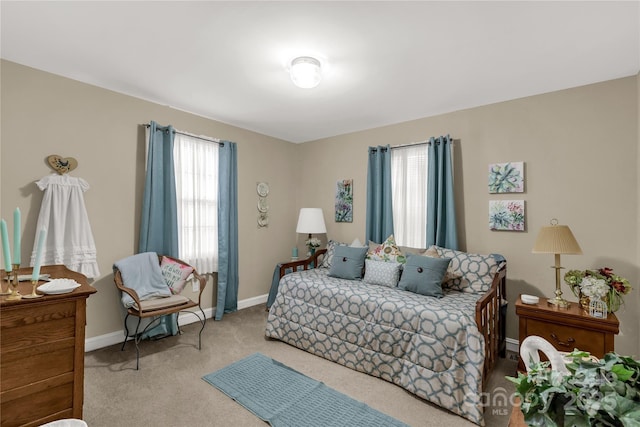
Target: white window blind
x=196, y=169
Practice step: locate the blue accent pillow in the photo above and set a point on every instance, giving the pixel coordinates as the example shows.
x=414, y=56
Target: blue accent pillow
x=423, y=275
x=348, y=262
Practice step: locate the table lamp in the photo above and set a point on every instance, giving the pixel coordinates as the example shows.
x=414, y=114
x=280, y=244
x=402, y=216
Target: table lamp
x=556, y=239
x=311, y=221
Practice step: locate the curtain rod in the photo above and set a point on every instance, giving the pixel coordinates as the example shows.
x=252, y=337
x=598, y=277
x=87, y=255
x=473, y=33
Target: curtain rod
x=204, y=138
x=410, y=144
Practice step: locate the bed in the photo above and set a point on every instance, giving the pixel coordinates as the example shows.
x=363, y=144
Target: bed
x=440, y=349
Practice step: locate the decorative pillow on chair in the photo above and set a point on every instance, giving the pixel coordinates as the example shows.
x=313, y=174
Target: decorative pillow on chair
x=423, y=275
x=331, y=247
x=348, y=262
x=387, y=251
x=382, y=273
x=175, y=274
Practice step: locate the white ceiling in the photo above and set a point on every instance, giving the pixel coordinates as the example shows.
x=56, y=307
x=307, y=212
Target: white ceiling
x=388, y=62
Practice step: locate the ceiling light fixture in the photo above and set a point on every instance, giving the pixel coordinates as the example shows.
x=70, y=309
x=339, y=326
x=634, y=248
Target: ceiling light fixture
x=306, y=72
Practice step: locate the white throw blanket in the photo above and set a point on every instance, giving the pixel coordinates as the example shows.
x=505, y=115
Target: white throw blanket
x=142, y=273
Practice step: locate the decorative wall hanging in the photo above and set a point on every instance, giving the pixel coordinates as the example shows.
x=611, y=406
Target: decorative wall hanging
x=506, y=215
x=262, y=189
x=344, y=200
x=61, y=164
x=506, y=177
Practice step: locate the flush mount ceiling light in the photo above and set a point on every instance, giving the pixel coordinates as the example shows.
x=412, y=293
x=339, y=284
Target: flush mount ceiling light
x=306, y=72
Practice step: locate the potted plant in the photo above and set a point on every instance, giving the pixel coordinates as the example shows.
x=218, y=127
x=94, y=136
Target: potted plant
x=604, y=392
x=584, y=283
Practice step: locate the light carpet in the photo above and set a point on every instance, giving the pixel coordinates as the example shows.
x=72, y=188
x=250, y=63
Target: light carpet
x=284, y=397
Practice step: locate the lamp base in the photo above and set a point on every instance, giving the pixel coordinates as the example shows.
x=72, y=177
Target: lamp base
x=559, y=302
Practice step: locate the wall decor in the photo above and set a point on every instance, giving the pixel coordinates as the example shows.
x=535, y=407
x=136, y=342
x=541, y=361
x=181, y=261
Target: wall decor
x=506, y=215
x=506, y=177
x=344, y=200
x=262, y=188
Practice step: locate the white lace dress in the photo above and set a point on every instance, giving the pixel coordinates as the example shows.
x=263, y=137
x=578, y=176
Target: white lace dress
x=69, y=240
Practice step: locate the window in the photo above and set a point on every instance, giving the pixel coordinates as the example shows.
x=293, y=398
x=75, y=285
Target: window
x=409, y=195
x=196, y=170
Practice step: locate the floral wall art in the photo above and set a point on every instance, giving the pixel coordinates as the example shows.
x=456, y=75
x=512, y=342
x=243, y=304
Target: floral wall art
x=506, y=177
x=344, y=200
x=506, y=215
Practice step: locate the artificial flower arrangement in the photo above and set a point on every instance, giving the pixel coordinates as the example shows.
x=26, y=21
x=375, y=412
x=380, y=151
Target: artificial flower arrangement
x=312, y=243
x=601, y=283
x=604, y=392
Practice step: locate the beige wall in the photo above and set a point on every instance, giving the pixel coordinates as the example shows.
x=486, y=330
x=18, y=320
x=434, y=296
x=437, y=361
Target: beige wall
x=44, y=114
x=580, y=148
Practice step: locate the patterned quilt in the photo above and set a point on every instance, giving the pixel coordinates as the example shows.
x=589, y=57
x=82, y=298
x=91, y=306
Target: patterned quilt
x=429, y=346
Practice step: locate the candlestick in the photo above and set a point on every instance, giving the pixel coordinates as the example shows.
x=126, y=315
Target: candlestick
x=39, y=246
x=16, y=236
x=4, y=290
x=5, y=245
x=15, y=295
x=33, y=294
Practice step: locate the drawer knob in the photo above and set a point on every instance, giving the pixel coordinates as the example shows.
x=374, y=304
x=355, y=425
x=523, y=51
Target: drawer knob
x=569, y=343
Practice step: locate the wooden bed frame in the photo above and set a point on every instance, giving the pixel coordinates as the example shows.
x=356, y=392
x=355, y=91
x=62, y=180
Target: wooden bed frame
x=490, y=311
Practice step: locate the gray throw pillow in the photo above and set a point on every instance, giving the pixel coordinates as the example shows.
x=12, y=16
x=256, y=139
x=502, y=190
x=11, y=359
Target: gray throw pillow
x=348, y=262
x=423, y=275
x=328, y=256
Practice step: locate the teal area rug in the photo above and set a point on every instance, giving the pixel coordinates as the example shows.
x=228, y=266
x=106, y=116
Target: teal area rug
x=286, y=398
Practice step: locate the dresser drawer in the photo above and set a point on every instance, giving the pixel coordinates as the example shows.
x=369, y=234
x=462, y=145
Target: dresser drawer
x=567, y=338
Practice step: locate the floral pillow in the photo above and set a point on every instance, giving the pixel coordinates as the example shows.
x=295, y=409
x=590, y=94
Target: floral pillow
x=387, y=251
x=175, y=274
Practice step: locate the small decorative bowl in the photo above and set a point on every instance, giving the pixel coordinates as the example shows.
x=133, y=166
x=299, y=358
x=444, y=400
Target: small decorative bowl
x=529, y=299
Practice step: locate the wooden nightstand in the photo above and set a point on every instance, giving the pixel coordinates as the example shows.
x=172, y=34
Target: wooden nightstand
x=566, y=329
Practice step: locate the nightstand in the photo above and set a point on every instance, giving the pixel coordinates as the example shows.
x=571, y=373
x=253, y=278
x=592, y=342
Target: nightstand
x=566, y=329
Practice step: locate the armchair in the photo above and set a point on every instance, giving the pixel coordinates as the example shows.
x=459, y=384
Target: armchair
x=155, y=307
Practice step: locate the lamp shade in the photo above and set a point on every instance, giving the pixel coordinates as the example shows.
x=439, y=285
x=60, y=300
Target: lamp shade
x=556, y=239
x=311, y=221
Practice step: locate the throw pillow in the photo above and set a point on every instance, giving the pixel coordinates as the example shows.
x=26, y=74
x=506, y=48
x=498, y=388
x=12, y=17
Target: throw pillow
x=328, y=256
x=423, y=275
x=476, y=270
x=175, y=274
x=348, y=262
x=387, y=251
x=382, y=273
x=451, y=274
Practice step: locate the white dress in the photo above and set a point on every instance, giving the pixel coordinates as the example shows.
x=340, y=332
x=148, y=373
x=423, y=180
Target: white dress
x=68, y=240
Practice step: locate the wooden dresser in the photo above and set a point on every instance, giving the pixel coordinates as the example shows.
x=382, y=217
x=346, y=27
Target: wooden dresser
x=566, y=329
x=42, y=353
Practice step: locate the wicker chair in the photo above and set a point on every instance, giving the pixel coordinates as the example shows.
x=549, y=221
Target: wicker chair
x=155, y=308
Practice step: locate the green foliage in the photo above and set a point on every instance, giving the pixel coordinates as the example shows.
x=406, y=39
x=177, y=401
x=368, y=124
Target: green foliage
x=602, y=393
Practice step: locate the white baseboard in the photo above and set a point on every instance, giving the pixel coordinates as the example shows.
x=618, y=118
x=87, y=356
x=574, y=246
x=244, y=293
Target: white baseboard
x=513, y=345
x=101, y=341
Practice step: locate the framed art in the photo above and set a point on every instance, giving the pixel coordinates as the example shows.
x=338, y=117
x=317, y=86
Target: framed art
x=506, y=215
x=344, y=200
x=506, y=177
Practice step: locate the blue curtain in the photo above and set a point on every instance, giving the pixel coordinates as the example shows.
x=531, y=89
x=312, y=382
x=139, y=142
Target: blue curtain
x=227, y=230
x=379, y=202
x=441, y=210
x=159, y=222
x=159, y=225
